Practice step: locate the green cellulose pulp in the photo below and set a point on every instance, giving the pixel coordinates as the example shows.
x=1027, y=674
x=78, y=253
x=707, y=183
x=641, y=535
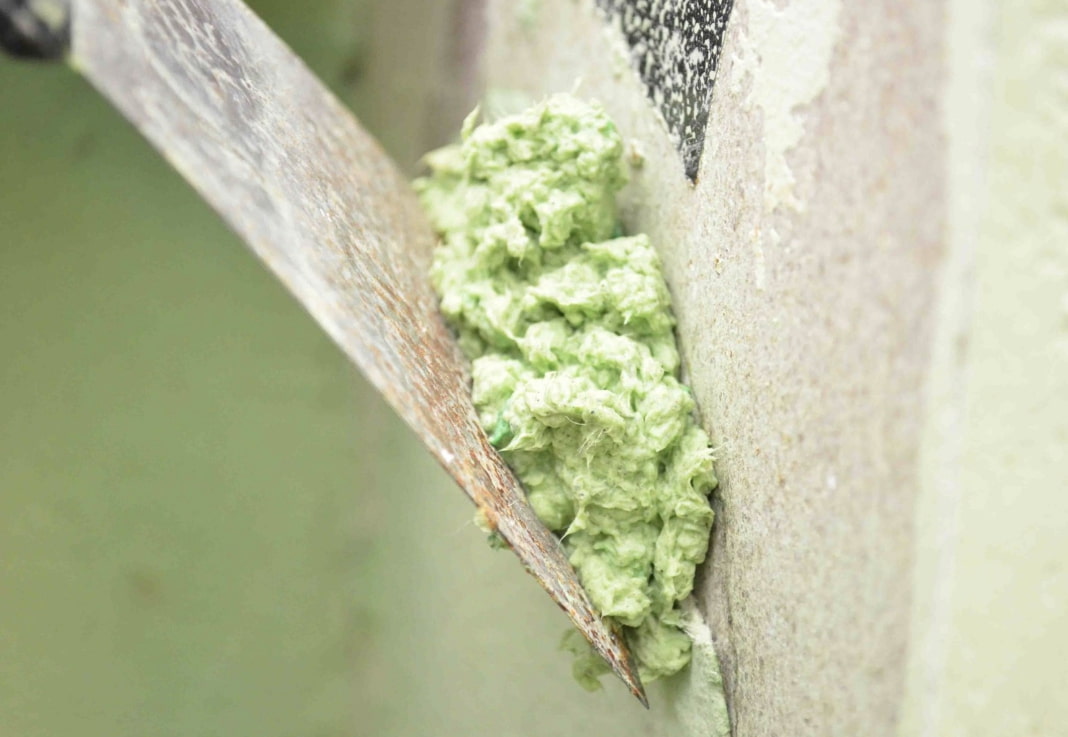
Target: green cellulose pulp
x=574, y=362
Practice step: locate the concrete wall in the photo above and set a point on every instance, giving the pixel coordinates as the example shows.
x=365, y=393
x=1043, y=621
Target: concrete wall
x=870, y=277
x=804, y=265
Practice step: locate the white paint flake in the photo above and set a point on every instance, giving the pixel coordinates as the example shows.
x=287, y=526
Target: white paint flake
x=787, y=53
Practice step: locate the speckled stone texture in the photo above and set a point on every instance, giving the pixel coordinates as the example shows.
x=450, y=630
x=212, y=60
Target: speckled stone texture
x=674, y=48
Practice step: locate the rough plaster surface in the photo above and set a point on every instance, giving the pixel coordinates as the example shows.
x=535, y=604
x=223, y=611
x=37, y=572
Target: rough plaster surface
x=804, y=329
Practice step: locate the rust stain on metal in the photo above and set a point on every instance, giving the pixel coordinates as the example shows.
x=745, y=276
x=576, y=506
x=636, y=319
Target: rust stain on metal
x=264, y=142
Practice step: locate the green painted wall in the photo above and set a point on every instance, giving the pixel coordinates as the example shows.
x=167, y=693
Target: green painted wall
x=182, y=547
x=990, y=617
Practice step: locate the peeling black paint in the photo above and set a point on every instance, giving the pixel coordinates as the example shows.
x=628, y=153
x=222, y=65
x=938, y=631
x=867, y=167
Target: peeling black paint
x=674, y=47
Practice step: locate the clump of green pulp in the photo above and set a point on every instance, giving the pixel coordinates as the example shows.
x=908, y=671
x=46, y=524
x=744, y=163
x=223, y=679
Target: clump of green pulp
x=574, y=361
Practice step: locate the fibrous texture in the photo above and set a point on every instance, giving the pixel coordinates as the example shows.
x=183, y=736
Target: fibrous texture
x=574, y=361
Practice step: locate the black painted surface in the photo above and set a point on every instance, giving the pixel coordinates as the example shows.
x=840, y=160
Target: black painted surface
x=675, y=46
x=26, y=34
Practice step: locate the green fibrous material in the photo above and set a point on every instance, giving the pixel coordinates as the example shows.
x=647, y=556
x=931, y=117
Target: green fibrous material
x=574, y=362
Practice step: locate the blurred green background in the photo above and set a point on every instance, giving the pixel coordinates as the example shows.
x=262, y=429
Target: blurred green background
x=209, y=524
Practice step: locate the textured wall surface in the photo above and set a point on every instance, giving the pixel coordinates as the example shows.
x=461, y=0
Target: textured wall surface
x=804, y=265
